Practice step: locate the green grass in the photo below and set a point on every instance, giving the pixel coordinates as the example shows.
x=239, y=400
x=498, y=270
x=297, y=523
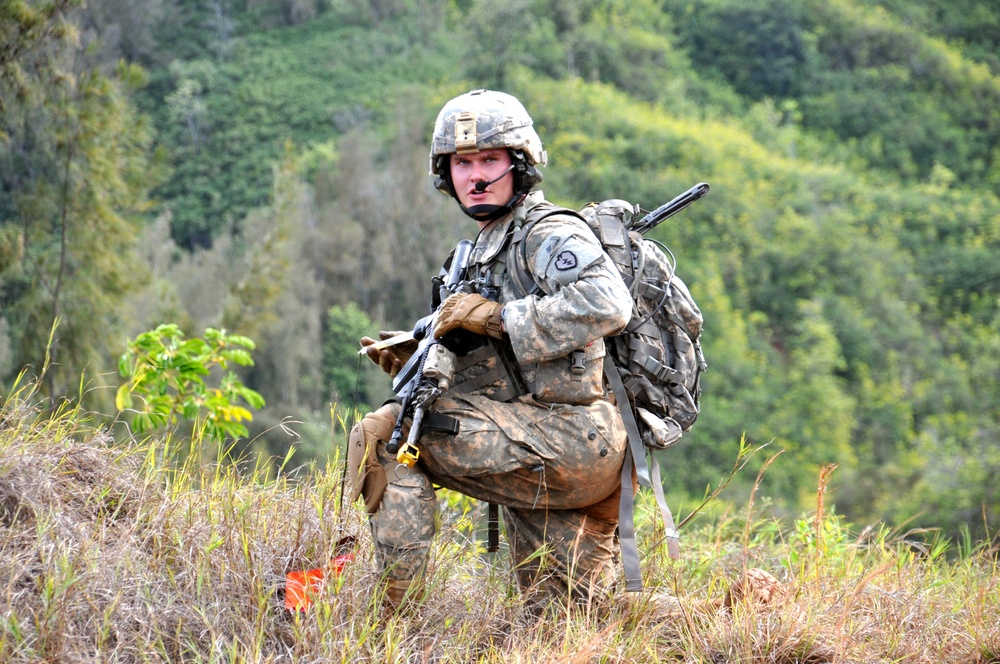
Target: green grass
x=108, y=553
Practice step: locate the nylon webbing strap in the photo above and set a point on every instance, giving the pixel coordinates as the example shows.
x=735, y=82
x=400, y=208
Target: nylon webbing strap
x=626, y=529
x=493, y=528
x=673, y=537
x=635, y=454
x=631, y=426
x=516, y=266
x=441, y=423
x=480, y=380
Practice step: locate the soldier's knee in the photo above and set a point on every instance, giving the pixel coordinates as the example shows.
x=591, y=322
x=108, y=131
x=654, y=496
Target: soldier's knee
x=367, y=477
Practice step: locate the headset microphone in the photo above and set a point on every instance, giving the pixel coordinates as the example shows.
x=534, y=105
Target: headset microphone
x=481, y=186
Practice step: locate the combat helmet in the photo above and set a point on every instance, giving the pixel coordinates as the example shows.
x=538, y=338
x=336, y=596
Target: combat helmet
x=484, y=120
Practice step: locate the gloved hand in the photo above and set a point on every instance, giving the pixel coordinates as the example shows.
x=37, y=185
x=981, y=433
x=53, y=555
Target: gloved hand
x=392, y=358
x=469, y=311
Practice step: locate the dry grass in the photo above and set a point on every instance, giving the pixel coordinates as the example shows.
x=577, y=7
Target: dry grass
x=109, y=555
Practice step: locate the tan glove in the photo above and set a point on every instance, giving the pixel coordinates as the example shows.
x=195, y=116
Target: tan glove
x=469, y=311
x=392, y=358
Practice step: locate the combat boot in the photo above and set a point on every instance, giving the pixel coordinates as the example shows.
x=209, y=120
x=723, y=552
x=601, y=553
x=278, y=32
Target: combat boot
x=403, y=594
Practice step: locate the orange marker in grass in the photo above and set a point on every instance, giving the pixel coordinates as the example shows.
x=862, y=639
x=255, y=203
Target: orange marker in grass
x=302, y=586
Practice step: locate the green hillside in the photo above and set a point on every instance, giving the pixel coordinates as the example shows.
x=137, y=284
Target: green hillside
x=265, y=171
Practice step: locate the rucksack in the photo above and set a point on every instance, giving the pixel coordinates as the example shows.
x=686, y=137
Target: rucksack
x=654, y=365
x=659, y=355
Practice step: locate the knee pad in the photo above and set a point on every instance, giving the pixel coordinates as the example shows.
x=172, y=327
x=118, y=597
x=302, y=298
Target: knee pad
x=366, y=475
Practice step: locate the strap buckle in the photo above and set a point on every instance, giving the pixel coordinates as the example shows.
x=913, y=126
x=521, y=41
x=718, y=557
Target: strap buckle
x=577, y=365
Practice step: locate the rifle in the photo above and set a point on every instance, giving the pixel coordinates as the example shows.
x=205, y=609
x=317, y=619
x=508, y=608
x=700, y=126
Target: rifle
x=667, y=210
x=422, y=379
x=427, y=374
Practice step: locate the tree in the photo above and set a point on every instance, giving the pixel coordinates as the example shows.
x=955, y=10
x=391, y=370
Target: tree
x=80, y=167
x=505, y=34
x=759, y=47
x=77, y=226
x=350, y=379
x=122, y=29
x=166, y=383
x=32, y=37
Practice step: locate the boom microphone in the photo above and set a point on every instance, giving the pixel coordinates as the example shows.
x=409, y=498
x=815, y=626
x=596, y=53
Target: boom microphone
x=481, y=186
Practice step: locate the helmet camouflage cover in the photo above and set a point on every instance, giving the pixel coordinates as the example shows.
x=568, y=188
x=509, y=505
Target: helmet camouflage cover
x=484, y=120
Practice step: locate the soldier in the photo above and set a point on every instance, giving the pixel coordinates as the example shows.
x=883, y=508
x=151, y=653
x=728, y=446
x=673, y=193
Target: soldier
x=536, y=431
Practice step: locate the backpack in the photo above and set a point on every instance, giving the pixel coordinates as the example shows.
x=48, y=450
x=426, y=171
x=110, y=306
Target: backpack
x=654, y=365
x=659, y=355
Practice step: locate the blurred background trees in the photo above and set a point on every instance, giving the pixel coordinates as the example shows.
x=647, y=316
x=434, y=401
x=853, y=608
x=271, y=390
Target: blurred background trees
x=261, y=166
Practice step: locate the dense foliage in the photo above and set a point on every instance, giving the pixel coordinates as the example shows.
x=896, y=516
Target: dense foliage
x=845, y=258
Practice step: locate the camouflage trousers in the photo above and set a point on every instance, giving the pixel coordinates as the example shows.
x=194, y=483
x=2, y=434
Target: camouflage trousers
x=554, y=468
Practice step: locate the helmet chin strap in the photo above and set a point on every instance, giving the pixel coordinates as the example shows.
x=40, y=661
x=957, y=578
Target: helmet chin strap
x=487, y=212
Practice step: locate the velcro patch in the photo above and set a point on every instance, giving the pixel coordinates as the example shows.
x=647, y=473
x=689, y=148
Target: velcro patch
x=566, y=260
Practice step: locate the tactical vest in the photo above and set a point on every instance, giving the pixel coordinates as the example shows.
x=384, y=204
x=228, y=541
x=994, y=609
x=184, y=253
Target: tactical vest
x=492, y=369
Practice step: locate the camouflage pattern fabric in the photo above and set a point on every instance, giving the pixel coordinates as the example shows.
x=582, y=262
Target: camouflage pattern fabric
x=559, y=553
x=548, y=464
x=403, y=526
x=552, y=458
x=468, y=123
x=586, y=300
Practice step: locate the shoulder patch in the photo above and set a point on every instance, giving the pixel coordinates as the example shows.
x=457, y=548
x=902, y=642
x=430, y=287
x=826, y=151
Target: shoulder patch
x=566, y=260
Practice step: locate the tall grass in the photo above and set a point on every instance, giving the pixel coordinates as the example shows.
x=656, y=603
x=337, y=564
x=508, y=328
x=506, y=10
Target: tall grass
x=110, y=553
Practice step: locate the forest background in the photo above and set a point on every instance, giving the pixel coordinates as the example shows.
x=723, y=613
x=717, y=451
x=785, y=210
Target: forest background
x=261, y=166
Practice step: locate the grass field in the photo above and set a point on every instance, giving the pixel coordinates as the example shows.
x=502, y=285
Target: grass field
x=121, y=553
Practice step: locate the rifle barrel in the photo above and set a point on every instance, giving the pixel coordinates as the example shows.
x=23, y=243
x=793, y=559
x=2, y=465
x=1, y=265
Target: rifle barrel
x=667, y=210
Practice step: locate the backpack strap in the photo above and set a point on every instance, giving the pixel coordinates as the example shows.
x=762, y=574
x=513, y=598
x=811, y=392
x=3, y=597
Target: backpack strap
x=517, y=265
x=517, y=260
x=670, y=530
x=635, y=456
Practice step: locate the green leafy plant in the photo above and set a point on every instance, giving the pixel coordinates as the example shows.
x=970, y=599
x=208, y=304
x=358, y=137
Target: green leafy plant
x=166, y=382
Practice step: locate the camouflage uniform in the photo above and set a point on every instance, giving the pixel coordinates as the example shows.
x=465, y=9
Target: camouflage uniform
x=552, y=456
x=553, y=465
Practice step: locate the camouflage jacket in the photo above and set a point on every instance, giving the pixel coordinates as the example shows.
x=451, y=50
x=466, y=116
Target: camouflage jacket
x=555, y=340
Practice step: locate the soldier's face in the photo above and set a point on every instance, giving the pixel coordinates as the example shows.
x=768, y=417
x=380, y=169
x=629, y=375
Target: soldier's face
x=468, y=169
